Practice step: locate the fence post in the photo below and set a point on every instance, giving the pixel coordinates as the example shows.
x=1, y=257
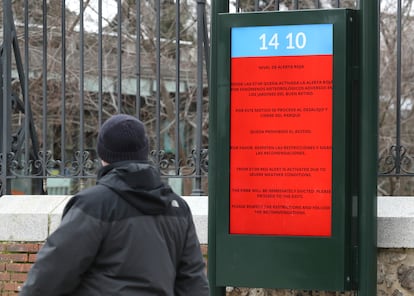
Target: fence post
x=369, y=42
x=5, y=97
x=217, y=6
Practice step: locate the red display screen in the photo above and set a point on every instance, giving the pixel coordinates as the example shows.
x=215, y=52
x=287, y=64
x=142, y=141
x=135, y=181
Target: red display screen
x=281, y=144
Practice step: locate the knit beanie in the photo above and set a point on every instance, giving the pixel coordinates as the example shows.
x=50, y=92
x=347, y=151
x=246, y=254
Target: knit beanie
x=122, y=137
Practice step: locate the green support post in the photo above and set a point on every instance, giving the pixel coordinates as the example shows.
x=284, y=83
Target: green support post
x=217, y=6
x=369, y=30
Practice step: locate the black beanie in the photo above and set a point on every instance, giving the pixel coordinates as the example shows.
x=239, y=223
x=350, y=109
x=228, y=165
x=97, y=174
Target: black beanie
x=122, y=137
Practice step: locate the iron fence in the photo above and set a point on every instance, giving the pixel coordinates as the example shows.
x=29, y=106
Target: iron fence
x=68, y=65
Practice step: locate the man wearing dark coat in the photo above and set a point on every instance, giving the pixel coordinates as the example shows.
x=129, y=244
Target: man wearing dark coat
x=130, y=234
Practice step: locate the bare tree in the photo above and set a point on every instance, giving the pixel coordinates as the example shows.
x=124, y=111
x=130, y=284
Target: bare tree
x=49, y=63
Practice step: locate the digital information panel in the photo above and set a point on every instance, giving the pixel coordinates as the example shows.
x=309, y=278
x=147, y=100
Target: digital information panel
x=281, y=130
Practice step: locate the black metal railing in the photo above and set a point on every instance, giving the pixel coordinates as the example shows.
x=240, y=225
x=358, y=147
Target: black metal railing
x=66, y=66
x=69, y=65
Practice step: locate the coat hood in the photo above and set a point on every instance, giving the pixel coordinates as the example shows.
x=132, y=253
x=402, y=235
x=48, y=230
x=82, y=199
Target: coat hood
x=138, y=183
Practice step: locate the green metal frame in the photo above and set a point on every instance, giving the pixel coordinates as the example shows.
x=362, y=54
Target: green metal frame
x=229, y=255
x=213, y=178
x=368, y=146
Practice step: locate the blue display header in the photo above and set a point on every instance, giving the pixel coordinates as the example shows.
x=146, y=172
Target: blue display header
x=292, y=40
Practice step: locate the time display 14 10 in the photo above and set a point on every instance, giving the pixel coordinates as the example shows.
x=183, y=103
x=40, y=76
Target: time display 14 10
x=286, y=40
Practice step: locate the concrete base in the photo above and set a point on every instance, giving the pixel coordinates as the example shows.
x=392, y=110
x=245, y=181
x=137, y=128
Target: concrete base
x=34, y=217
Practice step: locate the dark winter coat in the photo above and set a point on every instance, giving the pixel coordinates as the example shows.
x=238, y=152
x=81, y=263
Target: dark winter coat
x=128, y=235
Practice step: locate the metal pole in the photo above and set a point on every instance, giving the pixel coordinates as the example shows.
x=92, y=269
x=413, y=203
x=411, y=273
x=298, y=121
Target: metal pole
x=138, y=59
x=5, y=99
x=177, y=87
x=369, y=42
x=158, y=81
x=100, y=65
x=199, y=126
x=398, y=92
x=63, y=91
x=119, y=57
x=217, y=6
x=44, y=92
x=81, y=94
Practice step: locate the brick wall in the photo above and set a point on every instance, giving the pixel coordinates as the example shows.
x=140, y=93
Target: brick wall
x=16, y=258
x=25, y=222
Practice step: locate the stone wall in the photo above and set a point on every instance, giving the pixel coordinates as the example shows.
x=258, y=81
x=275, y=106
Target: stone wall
x=395, y=272
x=395, y=277
x=25, y=222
